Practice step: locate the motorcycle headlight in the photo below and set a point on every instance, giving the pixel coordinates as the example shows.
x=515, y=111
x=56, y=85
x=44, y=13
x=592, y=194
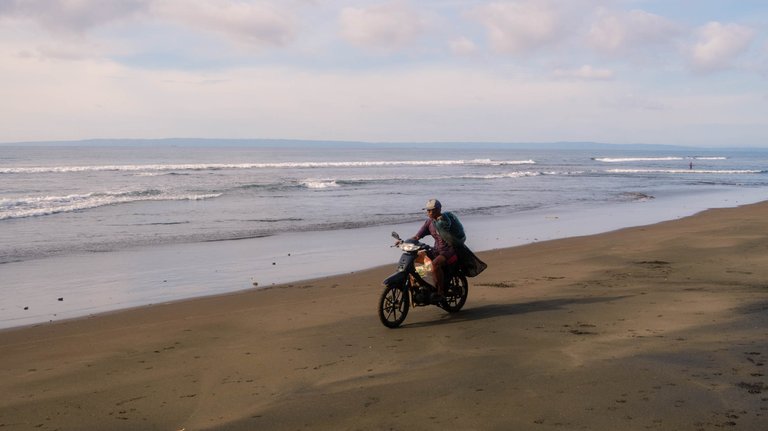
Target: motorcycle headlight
x=409, y=247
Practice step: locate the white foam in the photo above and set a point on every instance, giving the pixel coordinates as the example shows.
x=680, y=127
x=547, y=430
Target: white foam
x=634, y=159
x=45, y=205
x=682, y=171
x=283, y=165
x=319, y=184
x=522, y=174
x=654, y=159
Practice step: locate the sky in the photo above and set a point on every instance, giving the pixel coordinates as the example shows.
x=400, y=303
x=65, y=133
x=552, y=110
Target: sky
x=680, y=72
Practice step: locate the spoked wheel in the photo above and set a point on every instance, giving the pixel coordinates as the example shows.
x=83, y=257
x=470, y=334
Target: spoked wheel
x=393, y=306
x=456, y=296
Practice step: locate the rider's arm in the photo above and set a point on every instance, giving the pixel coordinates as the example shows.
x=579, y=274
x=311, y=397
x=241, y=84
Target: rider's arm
x=424, y=231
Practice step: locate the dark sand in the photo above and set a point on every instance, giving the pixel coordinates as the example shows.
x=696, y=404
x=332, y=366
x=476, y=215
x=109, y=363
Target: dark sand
x=663, y=327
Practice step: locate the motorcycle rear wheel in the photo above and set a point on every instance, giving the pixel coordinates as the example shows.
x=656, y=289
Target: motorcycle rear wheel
x=456, y=297
x=393, y=306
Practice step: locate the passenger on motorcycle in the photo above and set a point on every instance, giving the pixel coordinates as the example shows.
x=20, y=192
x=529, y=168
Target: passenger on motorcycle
x=448, y=232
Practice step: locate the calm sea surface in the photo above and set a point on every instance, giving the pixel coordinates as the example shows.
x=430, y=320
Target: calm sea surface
x=65, y=201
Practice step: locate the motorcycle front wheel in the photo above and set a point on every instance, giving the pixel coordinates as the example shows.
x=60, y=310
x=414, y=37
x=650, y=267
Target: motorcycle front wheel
x=393, y=306
x=456, y=297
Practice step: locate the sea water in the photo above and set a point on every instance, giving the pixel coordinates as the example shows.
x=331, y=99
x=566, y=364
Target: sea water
x=92, y=228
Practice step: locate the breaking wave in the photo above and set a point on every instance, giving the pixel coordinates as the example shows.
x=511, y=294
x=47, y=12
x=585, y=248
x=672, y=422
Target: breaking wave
x=653, y=159
x=683, y=171
x=319, y=184
x=325, y=183
x=283, y=165
x=46, y=205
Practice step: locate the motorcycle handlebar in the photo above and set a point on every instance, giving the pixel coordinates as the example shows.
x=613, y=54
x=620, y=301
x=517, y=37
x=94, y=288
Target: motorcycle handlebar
x=421, y=245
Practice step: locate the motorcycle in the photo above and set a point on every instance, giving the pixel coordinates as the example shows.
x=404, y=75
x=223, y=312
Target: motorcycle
x=410, y=285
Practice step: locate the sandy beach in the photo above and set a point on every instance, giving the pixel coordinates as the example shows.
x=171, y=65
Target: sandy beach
x=659, y=327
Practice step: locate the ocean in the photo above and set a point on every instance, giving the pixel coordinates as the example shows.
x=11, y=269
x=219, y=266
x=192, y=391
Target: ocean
x=92, y=228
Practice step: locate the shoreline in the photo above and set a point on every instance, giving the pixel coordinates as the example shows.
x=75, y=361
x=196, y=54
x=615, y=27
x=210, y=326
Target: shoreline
x=649, y=327
x=83, y=285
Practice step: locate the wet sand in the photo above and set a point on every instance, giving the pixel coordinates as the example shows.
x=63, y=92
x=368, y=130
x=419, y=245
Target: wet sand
x=658, y=327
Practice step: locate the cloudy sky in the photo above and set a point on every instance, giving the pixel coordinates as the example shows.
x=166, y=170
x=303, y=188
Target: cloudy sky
x=690, y=72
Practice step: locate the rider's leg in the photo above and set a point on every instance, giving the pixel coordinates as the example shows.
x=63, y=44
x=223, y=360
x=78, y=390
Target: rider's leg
x=438, y=264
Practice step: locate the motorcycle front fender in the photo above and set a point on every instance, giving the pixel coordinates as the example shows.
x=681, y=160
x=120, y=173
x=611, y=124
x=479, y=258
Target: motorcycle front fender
x=397, y=279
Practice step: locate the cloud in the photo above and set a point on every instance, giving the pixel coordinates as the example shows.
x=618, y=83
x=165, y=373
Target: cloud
x=387, y=26
x=585, y=72
x=762, y=61
x=519, y=26
x=93, y=98
x=463, y=46
x=621, y=31
x=72, y=16
x=632, y=101
x=257, y=24
x=149, y=68
x=63, y=29
x=719, y=45
x=160, y=31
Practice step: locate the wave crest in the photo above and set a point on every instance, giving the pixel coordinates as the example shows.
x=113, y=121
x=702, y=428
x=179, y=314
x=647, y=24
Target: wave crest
x=319, y=184
x=683, y=171
x=654, y=159
x=281, y=165
x=46, y=205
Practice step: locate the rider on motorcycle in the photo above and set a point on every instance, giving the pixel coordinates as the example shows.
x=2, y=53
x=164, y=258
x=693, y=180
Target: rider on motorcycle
x=448, y=233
